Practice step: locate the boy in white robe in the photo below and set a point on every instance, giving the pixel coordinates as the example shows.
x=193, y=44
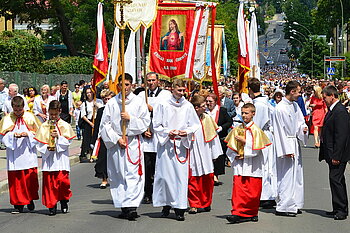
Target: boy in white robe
x=206, y=147
x=174, y=123
x=125, y=154
x=55, y=161
x=245, y=144
x=289, y=127
x=18, y=130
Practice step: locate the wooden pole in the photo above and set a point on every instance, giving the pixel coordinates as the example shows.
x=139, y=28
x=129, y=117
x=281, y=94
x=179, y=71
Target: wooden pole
x=122, y=30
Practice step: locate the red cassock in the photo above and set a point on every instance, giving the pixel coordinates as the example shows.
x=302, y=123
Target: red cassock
x=56, y=187
x=200, y=190
x=246, y=192
x=23, y=186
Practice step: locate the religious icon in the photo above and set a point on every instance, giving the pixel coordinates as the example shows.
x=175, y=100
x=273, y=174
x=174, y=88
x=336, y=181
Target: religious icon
x=173, y=39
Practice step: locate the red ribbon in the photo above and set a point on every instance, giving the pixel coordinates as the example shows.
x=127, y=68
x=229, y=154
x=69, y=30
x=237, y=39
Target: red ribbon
x=138, y=162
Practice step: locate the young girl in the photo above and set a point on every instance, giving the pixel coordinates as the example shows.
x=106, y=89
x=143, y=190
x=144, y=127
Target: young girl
x=54, y=137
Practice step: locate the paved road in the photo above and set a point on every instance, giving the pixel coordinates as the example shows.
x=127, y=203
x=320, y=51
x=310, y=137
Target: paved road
x=91, y=210
x=275, y=42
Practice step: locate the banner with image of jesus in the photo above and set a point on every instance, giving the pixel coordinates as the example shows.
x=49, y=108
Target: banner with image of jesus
x=170, y=39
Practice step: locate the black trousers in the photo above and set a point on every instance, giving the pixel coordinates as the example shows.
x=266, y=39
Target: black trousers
x=150, y=164
x=338, y=188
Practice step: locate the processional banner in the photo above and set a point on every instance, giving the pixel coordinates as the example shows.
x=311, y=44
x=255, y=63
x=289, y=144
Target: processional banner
x=170, y=39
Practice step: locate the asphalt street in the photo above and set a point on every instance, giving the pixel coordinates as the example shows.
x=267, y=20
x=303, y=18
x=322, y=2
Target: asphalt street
x=273, y=41
x=91, y=209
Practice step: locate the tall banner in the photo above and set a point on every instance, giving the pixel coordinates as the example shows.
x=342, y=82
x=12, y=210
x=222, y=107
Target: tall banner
x=253, y=45
x=243, y=55
x=218, y=32
x=100, y=64
x=200, y=55
x=224, y=55
x=170, y=39
x=137, y=13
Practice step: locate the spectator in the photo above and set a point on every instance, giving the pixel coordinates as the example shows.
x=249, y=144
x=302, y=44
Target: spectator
x=65, y=97
x=41, y=103
x=76, y=94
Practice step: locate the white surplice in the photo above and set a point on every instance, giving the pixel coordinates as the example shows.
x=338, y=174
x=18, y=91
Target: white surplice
x=20, y=152
x=288, y=124
x=172, y=167
x=150, y=144
x=127, y=185
x=57, y=160
x=252, y=163
x=203, y=153
x=263, y=119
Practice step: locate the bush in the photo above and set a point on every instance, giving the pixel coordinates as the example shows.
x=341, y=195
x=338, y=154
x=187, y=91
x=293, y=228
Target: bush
x=20, y=51
x=67, y=65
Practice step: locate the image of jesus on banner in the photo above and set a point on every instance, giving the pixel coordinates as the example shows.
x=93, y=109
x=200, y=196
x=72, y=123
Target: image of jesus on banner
x=173, y=39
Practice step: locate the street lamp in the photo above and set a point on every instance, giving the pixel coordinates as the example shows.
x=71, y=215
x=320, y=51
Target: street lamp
x=312, y=45
x=342, y=26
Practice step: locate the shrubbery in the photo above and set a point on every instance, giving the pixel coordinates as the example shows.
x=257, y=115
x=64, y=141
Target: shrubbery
x=67, y=65
x=20, y=51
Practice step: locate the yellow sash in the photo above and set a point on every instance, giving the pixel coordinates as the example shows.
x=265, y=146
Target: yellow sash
x=209, y=127
x=8, y=122
x=260, y=140
x=64, y=129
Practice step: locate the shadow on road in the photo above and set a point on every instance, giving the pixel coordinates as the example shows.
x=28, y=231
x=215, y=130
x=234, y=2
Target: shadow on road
x=321, y=213
x=95, y=186
x=102, y=202
x=110, y=213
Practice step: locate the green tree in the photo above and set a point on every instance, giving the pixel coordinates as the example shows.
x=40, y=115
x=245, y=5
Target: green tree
x=227, y=15
x=313, y=56
x=327, y=15
x=20, y=51
x=74, y=21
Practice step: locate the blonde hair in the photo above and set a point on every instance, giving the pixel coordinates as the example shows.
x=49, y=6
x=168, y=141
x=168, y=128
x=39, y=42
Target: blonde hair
x=318, y=92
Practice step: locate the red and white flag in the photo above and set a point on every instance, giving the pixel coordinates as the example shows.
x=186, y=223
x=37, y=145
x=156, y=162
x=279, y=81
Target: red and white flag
x=101, y=52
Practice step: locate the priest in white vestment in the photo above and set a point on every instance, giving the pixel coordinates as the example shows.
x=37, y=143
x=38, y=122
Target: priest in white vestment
x=263, y=119
x=289, y=128
x=174, y=123
x=155, y=94
x=125, y=155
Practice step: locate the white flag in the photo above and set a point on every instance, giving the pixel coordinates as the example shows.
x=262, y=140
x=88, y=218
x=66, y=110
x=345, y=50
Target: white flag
x=130, y=57
x=253, y=47
x=113, y=63
x=199, y=59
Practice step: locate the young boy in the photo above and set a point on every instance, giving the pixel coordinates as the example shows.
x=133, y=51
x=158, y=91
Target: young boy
x=55, y=161
x=76, y=118
x=245, y=143
x=18, y=129
x=206, y=147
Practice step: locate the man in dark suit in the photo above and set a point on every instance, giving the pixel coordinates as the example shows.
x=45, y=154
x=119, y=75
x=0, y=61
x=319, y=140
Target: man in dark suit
x=335, y=142
x=227, y=102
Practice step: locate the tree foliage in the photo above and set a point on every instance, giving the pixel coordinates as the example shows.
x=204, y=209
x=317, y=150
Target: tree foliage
x=74, y=21
x=20, y=51
x=313, y=56
x=67, y=65
x=327, y=15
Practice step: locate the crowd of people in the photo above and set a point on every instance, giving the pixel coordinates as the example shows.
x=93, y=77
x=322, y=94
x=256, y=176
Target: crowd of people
x=172, y=142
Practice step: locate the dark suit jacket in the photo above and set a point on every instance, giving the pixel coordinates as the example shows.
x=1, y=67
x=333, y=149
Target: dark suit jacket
x=230, y=106
x=225, y=121
x=335, y=141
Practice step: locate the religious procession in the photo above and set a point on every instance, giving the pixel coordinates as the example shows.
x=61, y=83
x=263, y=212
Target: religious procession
x=163, y=128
